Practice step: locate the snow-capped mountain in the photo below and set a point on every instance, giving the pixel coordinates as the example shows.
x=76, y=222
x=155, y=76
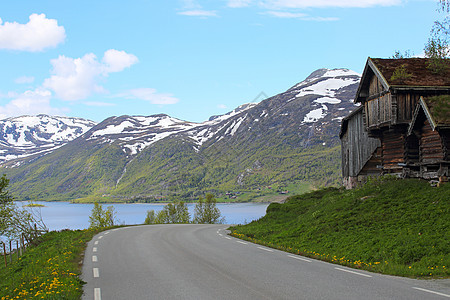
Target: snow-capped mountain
x=289, y=136
x=329, y=88
x=136, y=133
x=33, y=135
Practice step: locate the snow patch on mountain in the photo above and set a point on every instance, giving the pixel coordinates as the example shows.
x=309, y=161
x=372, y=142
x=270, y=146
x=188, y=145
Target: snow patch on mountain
x=37, y=135
x=327, y=87
x=328, y=100
x=316, y=114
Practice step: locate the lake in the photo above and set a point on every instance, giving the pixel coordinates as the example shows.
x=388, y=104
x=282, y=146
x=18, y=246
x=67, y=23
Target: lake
x=62, y=215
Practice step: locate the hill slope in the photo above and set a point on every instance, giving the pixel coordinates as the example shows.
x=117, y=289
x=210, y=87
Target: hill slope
x=289, y=137
x=397, y=227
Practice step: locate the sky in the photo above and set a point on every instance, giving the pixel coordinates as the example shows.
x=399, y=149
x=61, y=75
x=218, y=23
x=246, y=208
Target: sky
x=190, y=59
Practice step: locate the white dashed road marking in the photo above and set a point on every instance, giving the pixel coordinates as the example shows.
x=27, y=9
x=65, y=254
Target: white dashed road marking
x=94, y=258
x=100, y=237
x=96, y=273
x=97, y=294
x=300, y=258
x=242, y=242
x=265, y=249
x=432, y=292
x=96, y=243
x=353, y=272
x=94, y=249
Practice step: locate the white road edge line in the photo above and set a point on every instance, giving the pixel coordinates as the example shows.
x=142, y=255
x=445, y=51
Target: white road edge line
x=97, y=294
x=353, y=272
x=220, y=234
x=300, y=258
x=100, y=237
x=228, y=238
x=242, y=242
x=96, y=273
x=265, y=249
x=107, y=232
x=432, y=292
x=94, y=249
x=94, y=258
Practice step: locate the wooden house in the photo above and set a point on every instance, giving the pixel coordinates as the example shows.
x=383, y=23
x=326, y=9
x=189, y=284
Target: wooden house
x=389, y=92
x=428, y=139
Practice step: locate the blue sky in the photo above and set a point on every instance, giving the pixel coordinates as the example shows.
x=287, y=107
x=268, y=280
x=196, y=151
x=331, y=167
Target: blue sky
x=190, y=59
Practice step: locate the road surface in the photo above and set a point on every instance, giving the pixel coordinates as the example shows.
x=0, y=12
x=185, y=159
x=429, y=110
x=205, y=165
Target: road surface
x=202, y=262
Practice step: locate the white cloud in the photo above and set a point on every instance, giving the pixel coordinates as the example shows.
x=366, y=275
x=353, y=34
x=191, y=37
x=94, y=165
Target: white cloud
x=24, y=79
x=76, y=79
x=151, y=95
x=199, y=13
x=302, y=16
x=278, y=4
x=9, y=95
x=116, y=61
x=30, y=103
x=239, y=3
x=222, y=106
x=191, y=4
x=36, y=35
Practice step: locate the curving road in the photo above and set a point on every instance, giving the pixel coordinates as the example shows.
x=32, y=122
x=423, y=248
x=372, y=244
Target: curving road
x=202, y=262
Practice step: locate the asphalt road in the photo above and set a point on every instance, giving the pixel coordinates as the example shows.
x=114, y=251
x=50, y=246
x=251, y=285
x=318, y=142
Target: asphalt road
x=203, y=262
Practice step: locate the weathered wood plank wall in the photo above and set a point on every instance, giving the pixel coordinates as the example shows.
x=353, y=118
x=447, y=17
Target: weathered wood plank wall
x=431, y=148
x=357, y=146
x=393, y=144
x=406, y=103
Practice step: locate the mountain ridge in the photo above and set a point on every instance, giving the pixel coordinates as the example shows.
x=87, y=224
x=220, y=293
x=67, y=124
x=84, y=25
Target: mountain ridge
x=275, y=140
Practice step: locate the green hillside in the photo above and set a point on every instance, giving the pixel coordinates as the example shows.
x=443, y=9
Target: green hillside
x=398, y=227
x=173, y=170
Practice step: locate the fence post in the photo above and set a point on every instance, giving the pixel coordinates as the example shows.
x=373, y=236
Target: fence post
x=22, y=244
x=10, y=251
x=4, y=254
x=18, y=250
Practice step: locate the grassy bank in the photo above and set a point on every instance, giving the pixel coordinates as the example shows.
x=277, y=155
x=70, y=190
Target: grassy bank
x=397, y=227
x=49, y=270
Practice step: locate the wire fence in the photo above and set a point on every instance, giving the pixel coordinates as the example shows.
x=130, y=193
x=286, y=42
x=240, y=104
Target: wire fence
x=12, y=250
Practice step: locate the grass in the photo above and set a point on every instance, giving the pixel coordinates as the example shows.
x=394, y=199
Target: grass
x=49, y=270
x=397, y=227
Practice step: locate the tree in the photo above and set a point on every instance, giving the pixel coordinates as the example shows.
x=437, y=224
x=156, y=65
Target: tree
x=17, y=221
x=438, y=46
x=151, y=217
x=182, y=213
x=206, y=212
x=6, y=206
x=173, y=213
x=398, y=54
x=101, y=218
x=161, y=217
